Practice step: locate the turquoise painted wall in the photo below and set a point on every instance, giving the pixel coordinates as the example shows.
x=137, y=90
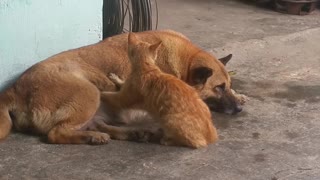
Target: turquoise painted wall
x=32, y=30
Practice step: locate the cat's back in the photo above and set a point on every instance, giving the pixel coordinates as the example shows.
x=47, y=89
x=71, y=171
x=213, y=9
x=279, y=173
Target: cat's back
x=170, y=91
x=171, y=85
x=182, y=111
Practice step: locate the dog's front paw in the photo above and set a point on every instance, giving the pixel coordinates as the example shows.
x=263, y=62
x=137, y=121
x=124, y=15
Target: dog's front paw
x=146, y=135
x=141, y=136
x=241, y=98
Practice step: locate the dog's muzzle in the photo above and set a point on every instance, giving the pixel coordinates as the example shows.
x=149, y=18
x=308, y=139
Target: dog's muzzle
x=223, y=106
x=235, y=110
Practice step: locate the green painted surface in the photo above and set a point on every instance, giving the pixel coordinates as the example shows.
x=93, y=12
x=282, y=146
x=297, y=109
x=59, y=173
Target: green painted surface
x=32, y=30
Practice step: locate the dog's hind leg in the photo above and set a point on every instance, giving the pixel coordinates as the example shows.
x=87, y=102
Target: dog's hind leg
x=117, y=101
x=64, y=134
x=76, y=109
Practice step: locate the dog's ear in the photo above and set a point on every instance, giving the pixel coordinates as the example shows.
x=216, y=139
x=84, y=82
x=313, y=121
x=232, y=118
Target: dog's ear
x=200, y=75
x=132, y=39
x=226, y=59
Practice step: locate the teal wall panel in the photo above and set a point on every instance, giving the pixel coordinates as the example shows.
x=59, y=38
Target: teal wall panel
x=32, y=30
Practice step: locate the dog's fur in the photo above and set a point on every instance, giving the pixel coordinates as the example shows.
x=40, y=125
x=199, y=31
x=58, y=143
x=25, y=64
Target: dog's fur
x=59, y=96
x=183, y=116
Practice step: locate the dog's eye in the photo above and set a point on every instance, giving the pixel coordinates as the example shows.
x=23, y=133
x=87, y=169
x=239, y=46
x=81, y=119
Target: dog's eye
x=221, y=87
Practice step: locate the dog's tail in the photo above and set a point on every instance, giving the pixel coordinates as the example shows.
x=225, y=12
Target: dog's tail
x=7, y=103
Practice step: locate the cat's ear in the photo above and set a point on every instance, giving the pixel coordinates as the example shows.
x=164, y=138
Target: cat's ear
x=153, y=49
x=132, y=39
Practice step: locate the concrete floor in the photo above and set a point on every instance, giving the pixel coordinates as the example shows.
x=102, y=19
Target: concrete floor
x=277, y=136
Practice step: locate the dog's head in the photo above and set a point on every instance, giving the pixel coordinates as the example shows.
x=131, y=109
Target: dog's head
x=210, y=78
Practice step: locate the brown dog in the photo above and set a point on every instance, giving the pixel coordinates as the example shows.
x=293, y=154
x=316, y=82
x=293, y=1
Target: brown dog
x=183, y=116
x=59, y=96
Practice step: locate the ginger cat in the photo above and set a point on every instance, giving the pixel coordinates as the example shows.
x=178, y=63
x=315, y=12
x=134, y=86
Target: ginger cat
x=184, y=118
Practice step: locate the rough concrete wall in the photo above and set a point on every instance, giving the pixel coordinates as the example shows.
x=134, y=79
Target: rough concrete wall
x=32, y=30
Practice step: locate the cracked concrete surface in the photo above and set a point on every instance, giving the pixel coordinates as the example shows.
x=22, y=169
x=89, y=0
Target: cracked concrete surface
x=277, y=136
